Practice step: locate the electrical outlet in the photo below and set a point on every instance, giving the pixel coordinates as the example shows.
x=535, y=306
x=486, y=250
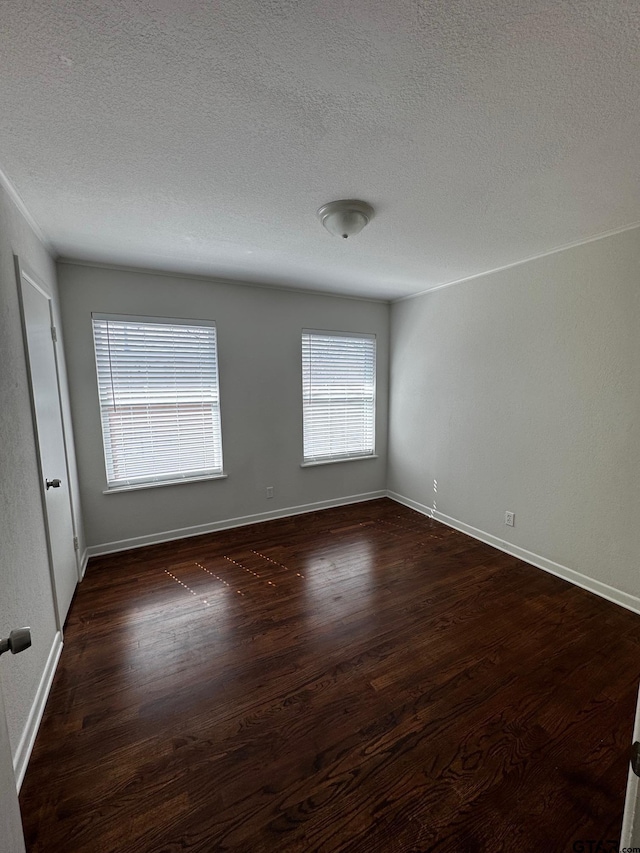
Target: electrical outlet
x=510, y=519
x=269, y=491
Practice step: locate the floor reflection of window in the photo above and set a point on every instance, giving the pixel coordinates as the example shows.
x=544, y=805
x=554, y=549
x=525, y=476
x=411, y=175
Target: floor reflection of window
x=339, y=580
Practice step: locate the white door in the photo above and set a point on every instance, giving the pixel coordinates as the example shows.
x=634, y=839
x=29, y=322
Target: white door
x=52, y=457
x=11, y=838
x=631, y=819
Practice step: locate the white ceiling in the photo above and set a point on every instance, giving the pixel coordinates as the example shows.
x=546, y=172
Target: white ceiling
x=202, y=136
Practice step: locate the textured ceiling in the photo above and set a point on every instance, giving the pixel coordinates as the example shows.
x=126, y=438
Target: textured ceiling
x=202, y=136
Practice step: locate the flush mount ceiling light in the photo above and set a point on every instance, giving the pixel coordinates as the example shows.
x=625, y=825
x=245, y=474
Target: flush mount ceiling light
x=345, y=217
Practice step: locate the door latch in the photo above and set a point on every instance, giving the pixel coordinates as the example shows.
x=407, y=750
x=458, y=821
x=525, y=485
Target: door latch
x=635, y=758
x=17, y=641
x=53, y=484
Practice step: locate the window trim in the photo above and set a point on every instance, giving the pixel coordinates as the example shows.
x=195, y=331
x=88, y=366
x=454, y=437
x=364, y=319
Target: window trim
x=312, y=462
x=158, y=480
x=154, y=484
x=341, y=459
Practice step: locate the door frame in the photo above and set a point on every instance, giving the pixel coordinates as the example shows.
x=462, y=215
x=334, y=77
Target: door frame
x=25, y=277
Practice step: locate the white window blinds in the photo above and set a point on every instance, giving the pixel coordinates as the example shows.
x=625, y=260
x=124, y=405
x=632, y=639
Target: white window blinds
x=338, y=395
x=159, y=399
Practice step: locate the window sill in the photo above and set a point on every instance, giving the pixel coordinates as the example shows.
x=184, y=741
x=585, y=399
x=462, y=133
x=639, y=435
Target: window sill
x=134, y=487
x=334, y=461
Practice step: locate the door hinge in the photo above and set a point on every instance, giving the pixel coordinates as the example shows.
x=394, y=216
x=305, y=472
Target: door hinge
x=54, y=334
x=635, y=758
x=76, y=544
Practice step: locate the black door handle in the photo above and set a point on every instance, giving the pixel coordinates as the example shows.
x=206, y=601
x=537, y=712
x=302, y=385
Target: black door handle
x=53, y=484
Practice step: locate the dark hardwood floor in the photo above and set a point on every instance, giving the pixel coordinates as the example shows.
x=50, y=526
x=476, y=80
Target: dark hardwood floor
x=359, y=679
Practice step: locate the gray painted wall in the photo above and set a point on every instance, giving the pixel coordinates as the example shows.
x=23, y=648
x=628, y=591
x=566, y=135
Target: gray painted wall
x=520, y=390
x=259, y=340
x=11, y=837
x=26, y=597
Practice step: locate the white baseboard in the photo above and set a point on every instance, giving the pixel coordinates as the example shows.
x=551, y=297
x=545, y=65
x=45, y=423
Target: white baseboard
x=25, y=744
x=617, y=596
x=226, y=524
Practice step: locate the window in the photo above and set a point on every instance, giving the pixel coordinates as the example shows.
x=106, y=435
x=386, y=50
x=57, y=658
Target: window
x=338, y=396
x=159, y=399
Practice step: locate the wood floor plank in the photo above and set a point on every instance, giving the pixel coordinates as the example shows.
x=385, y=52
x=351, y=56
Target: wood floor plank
x=356, y=679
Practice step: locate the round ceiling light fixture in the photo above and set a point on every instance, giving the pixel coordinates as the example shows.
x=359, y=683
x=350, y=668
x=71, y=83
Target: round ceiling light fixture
x=345, y=217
